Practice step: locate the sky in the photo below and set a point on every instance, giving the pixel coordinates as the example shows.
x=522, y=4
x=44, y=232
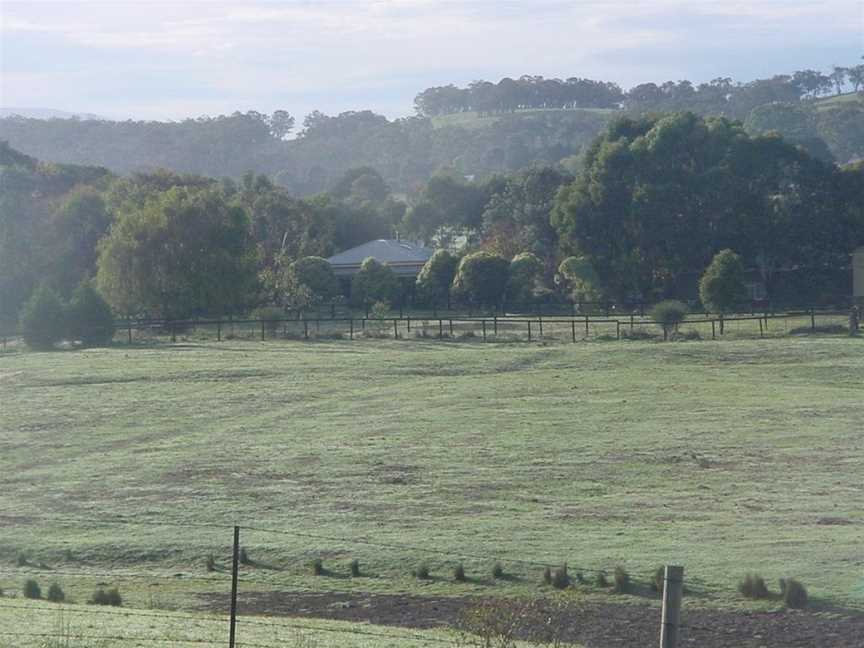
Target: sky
x=171, y=60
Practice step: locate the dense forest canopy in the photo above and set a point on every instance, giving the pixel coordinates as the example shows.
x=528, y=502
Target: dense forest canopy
x=484, y=129
x=653, y=200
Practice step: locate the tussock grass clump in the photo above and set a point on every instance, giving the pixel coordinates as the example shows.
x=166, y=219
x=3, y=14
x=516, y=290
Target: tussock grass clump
x=459, y=573
x=497, y=571
x=106, y=597
x=794, y=594
x=547, y=576
x=753, y=586
x=317, y=567
x=560, y=577
x=622, y=580
x=355, y=568
x=244, y=557
x=31, y=589
x=22, y=560
x=657, y=579
x=56, y=593
x=600, y=580
x=210, y=563
x=422, y=572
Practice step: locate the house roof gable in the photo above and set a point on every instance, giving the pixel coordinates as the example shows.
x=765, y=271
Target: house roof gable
x=383, y=250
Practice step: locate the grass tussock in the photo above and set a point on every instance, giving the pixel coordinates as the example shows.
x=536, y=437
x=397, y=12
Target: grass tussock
x=56, y=593
x=794, y=593
x=355, y=568
x=31, y=589
x=560, y=577
x=621, y=579
x=110, y=597
x=753, y=586
x=459, y=573
x=497, y=571
x=317, y=567
x=422, y=572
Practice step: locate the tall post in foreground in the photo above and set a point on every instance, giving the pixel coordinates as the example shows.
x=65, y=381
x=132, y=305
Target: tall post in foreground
x=235, y=565
x=673, y=588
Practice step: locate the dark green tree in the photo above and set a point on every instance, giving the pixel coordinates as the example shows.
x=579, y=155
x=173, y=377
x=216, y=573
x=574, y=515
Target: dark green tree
x=43, y=319
x=436, y=277
x=375, y=282
x=317, y=275
x=722, y=288
x=524, y=273
x=482, y=278
x=89, y=317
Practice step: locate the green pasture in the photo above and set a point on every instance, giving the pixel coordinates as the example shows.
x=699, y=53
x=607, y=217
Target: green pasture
x=729, y=456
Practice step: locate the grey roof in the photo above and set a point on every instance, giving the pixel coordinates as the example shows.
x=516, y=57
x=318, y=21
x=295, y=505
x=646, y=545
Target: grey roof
x=384, y=250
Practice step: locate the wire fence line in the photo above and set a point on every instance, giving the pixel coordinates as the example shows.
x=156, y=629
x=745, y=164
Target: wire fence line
x=213, y=620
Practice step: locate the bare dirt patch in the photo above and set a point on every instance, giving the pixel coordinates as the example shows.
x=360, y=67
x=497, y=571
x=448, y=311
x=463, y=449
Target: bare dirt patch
x=595, y=625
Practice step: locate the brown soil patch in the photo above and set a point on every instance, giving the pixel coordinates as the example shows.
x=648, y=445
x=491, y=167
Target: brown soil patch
x=594, y=624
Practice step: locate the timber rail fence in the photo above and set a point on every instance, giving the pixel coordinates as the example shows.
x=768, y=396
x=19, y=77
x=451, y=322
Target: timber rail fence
x=240, y=624
x=510, y=328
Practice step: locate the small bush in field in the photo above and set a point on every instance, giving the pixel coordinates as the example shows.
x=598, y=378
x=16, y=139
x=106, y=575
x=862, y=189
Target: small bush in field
x=794, y=594
x=422, y=572
x=22, y=560
x=669, y=314
x=317, y=567
x=657, y=579
x=580, y=577
x=244, y=557
x=32, y=589
x=600, y=580
x=210, y=564
x=547, y=576
x=622, y=580
x=355, y=568
x=107, y=597
x=56, y=594
x=497, y=570
x=560, y=577
x=753, y=587
x=459, y=573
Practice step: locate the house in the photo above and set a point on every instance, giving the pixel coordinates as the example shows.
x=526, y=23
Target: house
x=406, y=258
x=858, y=276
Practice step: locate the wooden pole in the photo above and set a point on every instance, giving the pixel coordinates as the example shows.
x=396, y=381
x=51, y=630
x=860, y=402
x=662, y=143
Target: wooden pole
x=586, y=325
x=395, y=330
x=617, y=329
x=219, y=331
x=813, y=320
x=451, y=328
x=484, y=330
x=440, y=328
x=529, y=330
x=573, y=330
x=540, y=320
x=495, y=324
x=129, y=330
x=673, y=589
x=713, y=330
x=235, y=568
x=351, y=329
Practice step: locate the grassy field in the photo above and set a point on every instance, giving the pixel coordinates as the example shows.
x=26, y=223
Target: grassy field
x=724, y=456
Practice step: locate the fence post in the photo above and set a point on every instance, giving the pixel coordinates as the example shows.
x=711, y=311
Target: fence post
x=395, y=330
x=631, y=320
x=305, y=329
x=713, y=330
x=761, y=332
x=351, y=329
x=495, y=324
x=440, y=328
x=409, y=323
x=586, y=326
x=617, y=329
x=219, y=331
x=484, y=330
x=573, y=330
x=451, y=328
x=812, y=320
x=235, y=567
x=529, y=330
x=173, y=332
x=262, y=330
x=540, y=321
x=673, y=587
x=129, y=330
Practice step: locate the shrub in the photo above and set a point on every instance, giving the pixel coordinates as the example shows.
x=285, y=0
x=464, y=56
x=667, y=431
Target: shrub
x=482, y=277
x=211, y=563
x=317, y=275
x=669, y=314
x=497, y=570
x=107, y=597
x=375, y=281
x=794, y=594
x=56, y=594
x=433, y=282
x=422, y=572
x=244, y=557
x=379, y=310
x=657, y=579
x=89, y=317
x=722, y=286
x=524, y=270
x=622, y=580
x=317, y=567
x=547, y=576
x=270, y=316
x=459, y=573
x=355, y=568
x=42, y=319
x=22, y=560
x=600, y=580
x=32, y=589
x=753, y=586
x=560, y=577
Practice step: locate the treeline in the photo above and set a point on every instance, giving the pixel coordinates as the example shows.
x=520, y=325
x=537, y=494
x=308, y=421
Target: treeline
x=406, y=152
x=655, y=200
x=721, y=96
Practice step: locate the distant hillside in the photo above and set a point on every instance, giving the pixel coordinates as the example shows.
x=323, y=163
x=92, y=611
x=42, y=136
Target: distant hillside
x=46, y=113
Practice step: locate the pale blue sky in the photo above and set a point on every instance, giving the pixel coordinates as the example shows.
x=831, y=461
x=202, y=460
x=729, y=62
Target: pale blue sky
x=169, y=60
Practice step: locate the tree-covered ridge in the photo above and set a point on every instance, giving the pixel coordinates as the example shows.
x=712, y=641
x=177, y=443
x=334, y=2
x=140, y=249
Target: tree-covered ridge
x=538, y=121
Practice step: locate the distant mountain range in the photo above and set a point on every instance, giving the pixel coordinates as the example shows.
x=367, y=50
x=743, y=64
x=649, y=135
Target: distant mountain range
x=48, y=113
